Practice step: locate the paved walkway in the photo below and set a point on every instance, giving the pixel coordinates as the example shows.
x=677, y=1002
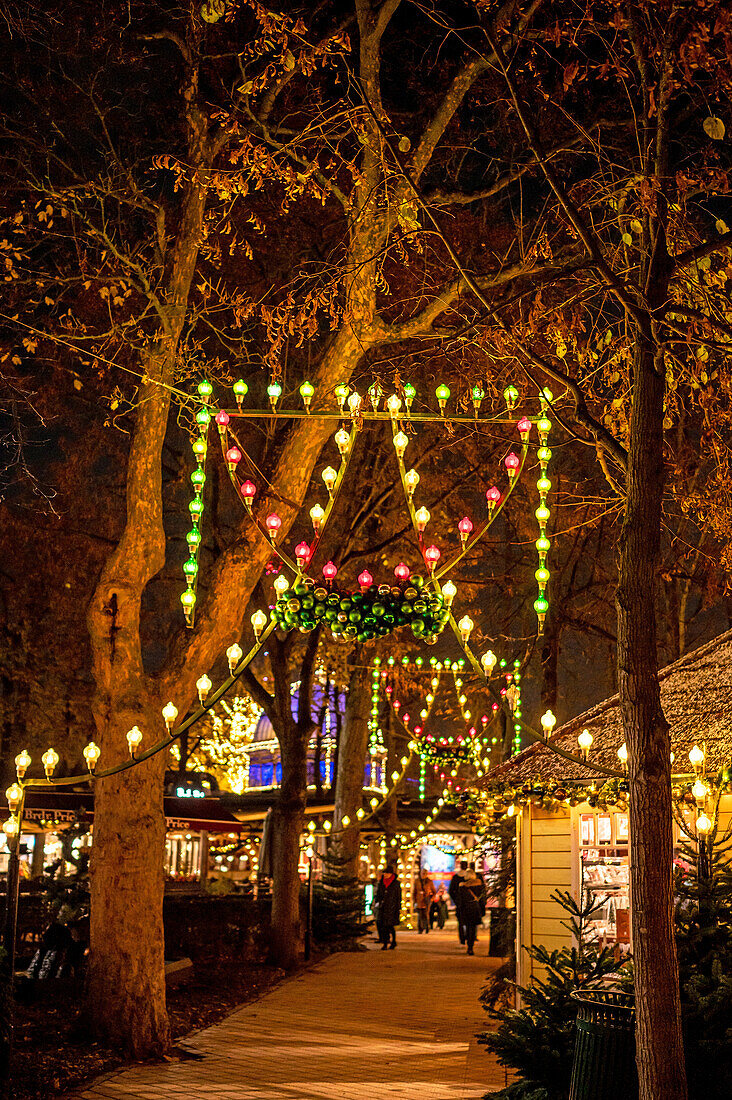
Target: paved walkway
x=392, y=1025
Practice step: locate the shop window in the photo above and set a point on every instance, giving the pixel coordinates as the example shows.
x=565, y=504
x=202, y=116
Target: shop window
x=605, y=874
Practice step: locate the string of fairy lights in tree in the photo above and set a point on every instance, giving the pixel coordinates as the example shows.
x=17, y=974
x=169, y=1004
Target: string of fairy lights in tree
x=199, y=446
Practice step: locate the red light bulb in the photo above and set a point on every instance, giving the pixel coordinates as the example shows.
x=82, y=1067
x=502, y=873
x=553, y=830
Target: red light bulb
x=273, y=523
x=302, y=552
x=465, y=526
x=402, y=572
x=248, y=490
x=524, y=426
x=512, y=463
x=329, y=571
x=493, y=495
x=495, y=707
x=417, y=729
x=233, y=457
x=365, y=579
x=484, y=719
x=222, y=418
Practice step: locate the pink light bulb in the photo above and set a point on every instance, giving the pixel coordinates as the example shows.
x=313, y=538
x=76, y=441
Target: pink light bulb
x=329, y=571
x=484, y=719
x=465, y=526
x=302, y=551
x=495, y=707
x=432, y=555
x=493, y=495
x=524, y=425
x=365, y=579
x=273, y=523
x=233, y=456
x=248, y=489
x=222, y=418
x=418, y=729
x=397, y=704
x=401, y=572
x=405, y=718
x=512, y=463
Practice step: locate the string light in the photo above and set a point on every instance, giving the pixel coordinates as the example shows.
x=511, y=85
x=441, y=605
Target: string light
x=134, y=739
x=49, y=760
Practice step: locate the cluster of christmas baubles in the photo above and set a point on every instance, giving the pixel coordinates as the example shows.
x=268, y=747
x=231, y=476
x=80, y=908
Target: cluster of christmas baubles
x=446, y=754
x=371, y=613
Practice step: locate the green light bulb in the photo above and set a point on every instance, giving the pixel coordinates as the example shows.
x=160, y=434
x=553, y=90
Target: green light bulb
x=196, y=506
x=199, y=448
x=541, y=605
x=241, y=389
x=203, y=418
x=188, y=599
x=193, y=538
x=510, y=396
x=274, y=390
x=205, y=388
x=442, y=393
x=198, y=477
x=190, y=567
x=543, y=545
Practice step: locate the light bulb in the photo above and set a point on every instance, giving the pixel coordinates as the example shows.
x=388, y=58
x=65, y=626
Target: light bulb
x=92, y=753
x=488, y=661
x=49, y=760
x=400, y=444
x=432, y=555
x=699, y=790
x=422, y=516
x=14, y=793
x=22, y=763
x=449, y=591
x=524, y=427
x=365, y=579
x=342, y=439
x=411, y=480
x=465, y=626
x=584, y=741
x=134, y=739
x=512, y=463
x=281, y=584
x=465, y=527
x=394, y=405
x=259, y=621
x=548, y=722
x=170, y=713
x=317, y=514
x=623, y=754
x=696, y=756
x=306, y=392
x=233, y=655
x=493, y=495
x=401, y=571
x=233, y=458
x=329, y=571
x=10, y=828
x=273, y=524
x=354, y=403
x=204, y=685
x=703, y=824
x=329, y=476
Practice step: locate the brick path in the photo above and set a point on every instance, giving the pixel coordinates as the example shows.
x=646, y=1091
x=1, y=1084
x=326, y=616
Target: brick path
x=392, y=1025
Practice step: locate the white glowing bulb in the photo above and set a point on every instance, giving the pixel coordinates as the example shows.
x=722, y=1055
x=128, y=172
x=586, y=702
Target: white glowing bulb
x=699, y=790
x=623, y=754
x=422, y=517
x=281, y=584
x=465, y=626
x=697, y=757
x=394, y=404
x=233, y=655
x=22, y=763
x=703, y=824
x=203, y=686
x=488, y=661
x=585, y=740
x=10, y=828
x=49, y=760
x=134, y=739
x=170, y=713
x=92, y=753
x=400, y=444
x=548, y=722
x=259, y=621
x=329, y=477
x=316, y=515
x=14, y=793
x=411, y=480
x=449, y=592
x=342, y=439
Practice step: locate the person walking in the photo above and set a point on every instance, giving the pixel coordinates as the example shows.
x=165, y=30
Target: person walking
x=471, y=894
x=438, y=909
x=454, y=892
x=424, y=891
x=389, y=905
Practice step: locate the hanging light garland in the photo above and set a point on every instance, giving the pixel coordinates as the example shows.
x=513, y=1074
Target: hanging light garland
x=199, y=447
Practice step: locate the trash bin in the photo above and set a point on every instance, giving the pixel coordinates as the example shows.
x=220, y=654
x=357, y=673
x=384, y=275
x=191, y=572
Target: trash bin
x=604, y=1053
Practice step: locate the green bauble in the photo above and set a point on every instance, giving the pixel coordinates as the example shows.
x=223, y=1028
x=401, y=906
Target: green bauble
x=331, y=614
x=419, y=606
x=346, y=604
x=354, y=616
x=300, y=588
x=378, y=609
x=321, y=593
x=417, y=581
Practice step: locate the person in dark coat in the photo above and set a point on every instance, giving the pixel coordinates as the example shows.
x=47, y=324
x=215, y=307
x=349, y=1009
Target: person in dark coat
x=389, y=906
x=471, y=896
x=454, y=892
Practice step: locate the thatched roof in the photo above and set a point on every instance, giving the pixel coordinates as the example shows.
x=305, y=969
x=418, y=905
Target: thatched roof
x=696, y=694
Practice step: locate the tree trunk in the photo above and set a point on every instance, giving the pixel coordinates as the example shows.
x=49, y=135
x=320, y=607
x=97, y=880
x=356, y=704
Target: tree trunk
x=344, y=849
x=287, y=825
x=126, y=985
x=659, y=1055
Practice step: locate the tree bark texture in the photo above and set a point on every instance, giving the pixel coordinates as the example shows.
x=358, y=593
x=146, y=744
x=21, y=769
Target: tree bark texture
x=288, y=816
x=659, y=1056
x=344, y=849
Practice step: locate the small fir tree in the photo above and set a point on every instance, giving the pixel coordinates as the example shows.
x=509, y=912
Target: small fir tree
x=538, y=1040
x=704, y=945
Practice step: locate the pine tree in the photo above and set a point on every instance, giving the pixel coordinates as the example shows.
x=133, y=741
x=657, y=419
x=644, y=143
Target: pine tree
x=704, y=945
x=538, y=1039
